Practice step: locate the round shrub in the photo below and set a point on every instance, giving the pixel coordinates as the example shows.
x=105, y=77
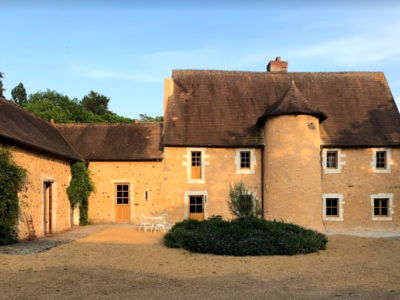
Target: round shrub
x=240, y=237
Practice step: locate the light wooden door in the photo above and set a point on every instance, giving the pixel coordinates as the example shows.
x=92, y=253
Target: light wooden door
x=122, y=204
x=196, y=207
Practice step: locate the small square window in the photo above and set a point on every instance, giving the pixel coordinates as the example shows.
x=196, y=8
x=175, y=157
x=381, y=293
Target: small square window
x=245, y=159
x=332, y=159
x=381, y=207
x=332, y=207
x=381, y=159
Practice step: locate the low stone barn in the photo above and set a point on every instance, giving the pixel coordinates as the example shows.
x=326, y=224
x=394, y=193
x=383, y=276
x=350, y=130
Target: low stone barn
x=318, y=149
x=46, y=156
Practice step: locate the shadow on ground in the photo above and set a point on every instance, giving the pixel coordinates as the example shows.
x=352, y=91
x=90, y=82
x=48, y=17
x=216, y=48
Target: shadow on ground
x=102, y=283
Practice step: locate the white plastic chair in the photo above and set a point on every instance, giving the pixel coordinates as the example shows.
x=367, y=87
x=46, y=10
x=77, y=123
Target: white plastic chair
x=161, y=224
x=145, y=223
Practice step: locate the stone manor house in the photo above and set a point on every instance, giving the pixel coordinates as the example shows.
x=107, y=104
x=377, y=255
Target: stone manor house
x=318, y=149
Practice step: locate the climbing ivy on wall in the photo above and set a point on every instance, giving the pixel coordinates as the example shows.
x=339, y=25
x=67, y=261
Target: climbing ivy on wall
x=11, y=181
x=80, y=189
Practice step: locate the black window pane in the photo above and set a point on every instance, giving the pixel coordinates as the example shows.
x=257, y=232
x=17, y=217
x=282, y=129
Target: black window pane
x=384, y=211
x=376, y=211
x=381, y=159
x=332, y=159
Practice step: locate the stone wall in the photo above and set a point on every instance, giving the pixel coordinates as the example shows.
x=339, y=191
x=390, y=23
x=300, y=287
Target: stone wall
x=41, y=168
x=141, y=176
x=356, y=182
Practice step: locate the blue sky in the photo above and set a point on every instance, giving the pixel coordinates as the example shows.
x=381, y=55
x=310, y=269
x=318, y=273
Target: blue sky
x=124, y=49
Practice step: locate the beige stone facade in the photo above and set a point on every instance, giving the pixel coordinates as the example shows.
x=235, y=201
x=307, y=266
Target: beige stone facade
x=166, y=184
x=42, y=168
x=356, y=183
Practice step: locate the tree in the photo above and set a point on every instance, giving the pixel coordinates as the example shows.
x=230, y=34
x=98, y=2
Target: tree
x=96, y=103
x=147, y=118
x=1, y=85
x=53, y=105
x=18, y=95
x=242, y=203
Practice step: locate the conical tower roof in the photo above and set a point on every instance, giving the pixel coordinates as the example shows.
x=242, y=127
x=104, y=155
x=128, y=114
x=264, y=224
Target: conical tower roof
x=292, y=103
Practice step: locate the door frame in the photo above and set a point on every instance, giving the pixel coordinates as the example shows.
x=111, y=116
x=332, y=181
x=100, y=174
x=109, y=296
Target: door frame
x=186, y=205
x=114, y=198
x=48, y=206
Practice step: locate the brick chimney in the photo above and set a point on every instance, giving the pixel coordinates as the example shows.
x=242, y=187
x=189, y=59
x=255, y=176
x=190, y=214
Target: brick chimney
x=277, y=65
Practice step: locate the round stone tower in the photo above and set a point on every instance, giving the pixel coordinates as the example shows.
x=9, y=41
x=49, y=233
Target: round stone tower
x=292, y=167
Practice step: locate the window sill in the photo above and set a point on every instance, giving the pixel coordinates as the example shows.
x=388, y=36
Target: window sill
x=245, y=171
x=337, y=219
x=382, y=218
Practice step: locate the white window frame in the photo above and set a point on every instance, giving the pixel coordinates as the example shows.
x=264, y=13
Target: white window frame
x=187, y=200
x=388, y=161
x=390, y=210
x=340, y=207
x=188, y=164
x=340, y=163
x=253, y=161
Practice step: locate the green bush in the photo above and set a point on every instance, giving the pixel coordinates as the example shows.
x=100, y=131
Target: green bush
x=11, y=181
x=80, y=189
x=242, y=203
x=245, y=236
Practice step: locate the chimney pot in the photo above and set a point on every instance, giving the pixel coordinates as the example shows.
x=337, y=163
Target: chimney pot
x=277, y=65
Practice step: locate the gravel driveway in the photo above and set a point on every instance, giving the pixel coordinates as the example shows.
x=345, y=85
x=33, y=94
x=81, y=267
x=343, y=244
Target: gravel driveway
x=121, y=262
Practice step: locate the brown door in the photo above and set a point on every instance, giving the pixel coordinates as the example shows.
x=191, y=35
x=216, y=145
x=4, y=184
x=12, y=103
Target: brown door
x=48, y=207
x=122, y=205
x=196, y=207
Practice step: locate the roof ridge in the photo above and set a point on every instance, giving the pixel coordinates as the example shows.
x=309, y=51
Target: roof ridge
x=273, y=73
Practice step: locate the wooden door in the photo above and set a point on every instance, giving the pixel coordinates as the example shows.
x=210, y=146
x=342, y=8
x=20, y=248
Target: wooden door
x=196, y=207
x=122, y=204
x=47, y=207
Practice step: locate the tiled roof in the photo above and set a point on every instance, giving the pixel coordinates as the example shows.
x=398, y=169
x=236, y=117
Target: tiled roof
x=115, y=142
x=26, y=129
x=221, y=108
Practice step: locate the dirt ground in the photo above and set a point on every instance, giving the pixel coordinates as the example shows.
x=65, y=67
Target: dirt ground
x=124, y=263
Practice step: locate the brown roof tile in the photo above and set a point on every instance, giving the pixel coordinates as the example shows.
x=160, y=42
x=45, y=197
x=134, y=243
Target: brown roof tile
x=115, y=142
x=26, y=129
x=221, y=108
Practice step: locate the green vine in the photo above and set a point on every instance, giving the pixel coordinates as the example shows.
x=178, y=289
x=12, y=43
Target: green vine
x=80, y=189
x=11, y=181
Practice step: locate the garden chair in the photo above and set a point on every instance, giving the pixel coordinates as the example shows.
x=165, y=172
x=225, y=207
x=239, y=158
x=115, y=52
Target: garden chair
x=161, y=223
x=145, y=223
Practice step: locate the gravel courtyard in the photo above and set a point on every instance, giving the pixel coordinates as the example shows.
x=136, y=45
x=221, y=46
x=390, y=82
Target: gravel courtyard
x=117, y=262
